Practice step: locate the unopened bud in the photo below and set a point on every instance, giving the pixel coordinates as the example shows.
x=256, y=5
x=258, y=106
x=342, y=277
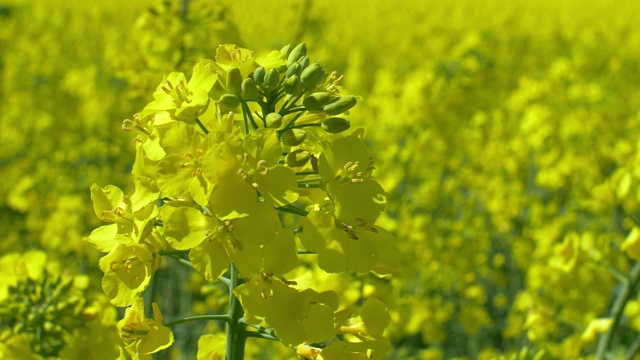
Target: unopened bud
x=312, y=75
x=229, y=100
x=296, y=53
x=341, y=105
x=335, y=125
x=293, y=137
x=273, y=120
x=316, y=100
x=293, y=70
x=298, y=158
x=292, y=85
x=234, y=81
x=272, y=78
x=249, y=89
x=258, y=75
x=304, y=62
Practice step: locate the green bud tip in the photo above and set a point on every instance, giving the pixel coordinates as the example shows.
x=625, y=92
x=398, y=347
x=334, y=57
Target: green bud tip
x=341, y=105
x=258, y=75
x=234, y=81
x=292, y=85
x=335, y=125
x=229, y=100
x=293, y=70
x=312, y=75
x=249, y=89
x=316, y=100
x=298, y=158
x=293, y=137
x=297, y=52
x=272, y=78
x=273, y=120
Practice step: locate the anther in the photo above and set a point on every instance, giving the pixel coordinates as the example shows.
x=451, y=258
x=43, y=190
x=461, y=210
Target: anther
x=185, y=164
x=127, y=125
x=347, y=165
x=255, y=186
x=246, y=158
x=128, y=264
x=262, y=163
x=166, y=90
x=115, y=266
x=265, y=171
x=359, y=181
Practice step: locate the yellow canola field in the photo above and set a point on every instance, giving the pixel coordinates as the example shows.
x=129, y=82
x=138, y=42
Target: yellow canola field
x=504, y=132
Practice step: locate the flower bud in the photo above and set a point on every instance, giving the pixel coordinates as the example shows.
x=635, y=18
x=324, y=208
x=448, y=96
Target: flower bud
x=298, y=158
x=335, y=125
x=294, y=69
x=229, y=100
x=272, y=78
x=297, y=53
x=316, y=100
x=293, y=137
x=312, y=75
x=304, y=62
x=249, y=89
x=234, y=81
x=292, y=85
x=341, y=105
x=258, y=75
x=273, y=120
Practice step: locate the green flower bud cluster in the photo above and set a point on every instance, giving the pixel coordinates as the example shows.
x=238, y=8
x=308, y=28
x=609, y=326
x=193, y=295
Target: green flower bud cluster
x=45, y=309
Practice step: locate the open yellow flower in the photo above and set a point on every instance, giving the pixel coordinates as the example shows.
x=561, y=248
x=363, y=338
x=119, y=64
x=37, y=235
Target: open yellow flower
x=143, y=336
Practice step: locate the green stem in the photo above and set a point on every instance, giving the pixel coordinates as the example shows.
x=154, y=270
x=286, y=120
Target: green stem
x=224, y=317
x=292, y=121
x=202, y=126
x=305, y=125
x=617, y=310
x=291, y=104
x=259, y=335
x=236, y=330
x=302, y=173
x=182, y=261
x=309, y=180
x=225, y=281
x=293, y=210
x=633, y=349
x=247, y=112
x=305, y=252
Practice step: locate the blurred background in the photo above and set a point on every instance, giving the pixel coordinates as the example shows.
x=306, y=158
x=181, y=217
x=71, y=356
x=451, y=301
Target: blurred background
x=505, y=133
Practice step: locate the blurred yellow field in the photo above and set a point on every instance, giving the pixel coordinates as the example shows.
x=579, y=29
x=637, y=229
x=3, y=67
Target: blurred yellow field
x=502, y=143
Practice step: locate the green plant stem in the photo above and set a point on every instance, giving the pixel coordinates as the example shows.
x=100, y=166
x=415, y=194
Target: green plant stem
x=633, y=349
x=247, y=112
x=201, y=125
x=259, y=335
x=223, y=317
x=181, y=261
x=616, y=311
x=292, y=121
x=309, y=180
x=293, y=210
x=301, y=173
x=305, y=252
x=236, y=330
